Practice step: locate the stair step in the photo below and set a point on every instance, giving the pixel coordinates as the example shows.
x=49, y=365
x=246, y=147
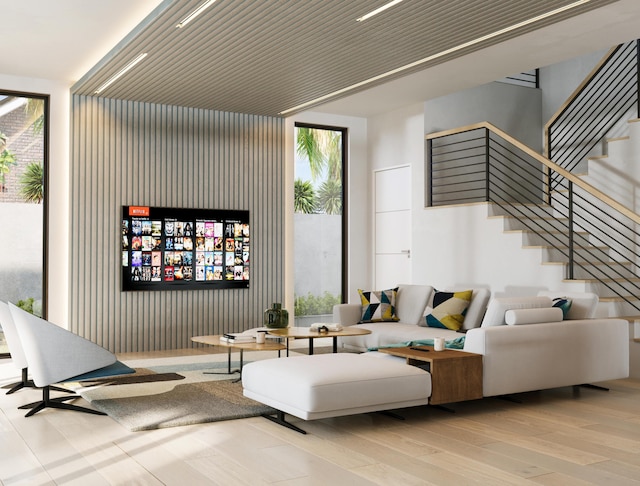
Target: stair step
x=526, y=210
x=603, y=271
x=561, y=254
x=551, y=238
x=549, y=223
x=610, y=287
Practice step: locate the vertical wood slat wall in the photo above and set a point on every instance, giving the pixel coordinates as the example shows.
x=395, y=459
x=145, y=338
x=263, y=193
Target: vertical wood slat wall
x=132, y=153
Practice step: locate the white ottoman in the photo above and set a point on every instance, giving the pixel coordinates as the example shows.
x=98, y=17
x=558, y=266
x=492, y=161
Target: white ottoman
x=331, y=385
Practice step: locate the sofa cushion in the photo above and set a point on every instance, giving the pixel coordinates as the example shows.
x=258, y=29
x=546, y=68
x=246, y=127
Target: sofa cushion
x=378, y=305
x=517, y=317
x=446, y=310
x=411, y=301
x=386, y=333
x=499, y=306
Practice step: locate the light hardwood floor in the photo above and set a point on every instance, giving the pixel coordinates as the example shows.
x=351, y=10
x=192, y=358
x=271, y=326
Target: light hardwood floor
x=560, y=437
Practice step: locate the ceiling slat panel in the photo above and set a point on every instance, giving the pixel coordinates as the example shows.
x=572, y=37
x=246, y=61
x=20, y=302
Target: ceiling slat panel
x=266, y=56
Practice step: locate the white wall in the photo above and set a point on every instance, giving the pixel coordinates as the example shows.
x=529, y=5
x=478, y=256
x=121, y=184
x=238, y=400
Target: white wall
x=460, y=246
x=515, y=109
x=358, y=203
x=558, y=81
x=58, y=284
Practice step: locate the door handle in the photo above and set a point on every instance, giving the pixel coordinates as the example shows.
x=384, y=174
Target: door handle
x=408, y=252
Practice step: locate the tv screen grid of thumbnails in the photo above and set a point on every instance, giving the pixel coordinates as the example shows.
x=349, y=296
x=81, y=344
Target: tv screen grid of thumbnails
x=169, y=248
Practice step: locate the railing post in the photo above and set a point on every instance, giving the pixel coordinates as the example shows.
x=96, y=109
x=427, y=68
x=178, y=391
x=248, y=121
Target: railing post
x=430, y=172
x=548, y=170
x=487, y=141
x=571, y=243
x=638, y=78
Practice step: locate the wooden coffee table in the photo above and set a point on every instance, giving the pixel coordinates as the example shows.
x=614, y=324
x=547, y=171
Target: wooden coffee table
x=252, y=346
x=307, y=333
x=456, y=376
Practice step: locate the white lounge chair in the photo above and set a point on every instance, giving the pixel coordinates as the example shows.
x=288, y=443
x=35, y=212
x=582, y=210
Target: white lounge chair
x=55, y=355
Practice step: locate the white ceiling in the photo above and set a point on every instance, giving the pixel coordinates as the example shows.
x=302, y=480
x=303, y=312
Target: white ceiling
x=64, y=39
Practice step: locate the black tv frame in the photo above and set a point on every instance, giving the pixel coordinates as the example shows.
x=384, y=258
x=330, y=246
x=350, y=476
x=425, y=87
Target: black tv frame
x=184, y=249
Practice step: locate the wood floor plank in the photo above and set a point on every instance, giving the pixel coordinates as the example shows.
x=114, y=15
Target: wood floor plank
x=559, y=479
x=534, y=444
x=444, y=438
x=99, y=448
x=473, y=470
x=327, y=450
x=563, y=437
x=559, y=465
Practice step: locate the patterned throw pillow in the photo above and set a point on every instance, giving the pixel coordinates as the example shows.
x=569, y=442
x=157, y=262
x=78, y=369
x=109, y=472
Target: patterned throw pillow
x=378, y=305
x=447, y=309
x=564, y=304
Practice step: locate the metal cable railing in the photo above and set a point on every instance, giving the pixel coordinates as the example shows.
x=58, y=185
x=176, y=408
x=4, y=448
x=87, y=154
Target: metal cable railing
x=607, y=96
x=598, y=238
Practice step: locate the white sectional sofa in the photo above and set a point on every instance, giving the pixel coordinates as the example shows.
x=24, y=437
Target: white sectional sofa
x=525, y=345
x=516, y=358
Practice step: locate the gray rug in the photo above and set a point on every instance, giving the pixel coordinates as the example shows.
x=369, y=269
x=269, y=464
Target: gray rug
x=149, y=400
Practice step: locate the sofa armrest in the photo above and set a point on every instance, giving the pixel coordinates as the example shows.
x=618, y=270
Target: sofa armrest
x=347, y=314
x=550, y=355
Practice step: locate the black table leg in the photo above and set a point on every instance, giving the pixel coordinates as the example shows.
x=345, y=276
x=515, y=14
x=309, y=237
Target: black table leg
x=229, y=370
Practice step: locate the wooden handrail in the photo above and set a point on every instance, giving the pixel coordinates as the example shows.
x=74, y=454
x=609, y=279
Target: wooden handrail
x=545, y=161
x=575, y=94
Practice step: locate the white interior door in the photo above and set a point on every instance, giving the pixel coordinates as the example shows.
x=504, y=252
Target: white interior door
x=392, y=227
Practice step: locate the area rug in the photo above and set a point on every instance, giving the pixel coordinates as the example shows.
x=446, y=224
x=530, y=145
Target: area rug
x=171, y=395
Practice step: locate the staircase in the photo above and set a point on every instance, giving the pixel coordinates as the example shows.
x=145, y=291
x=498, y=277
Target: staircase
x=581, y=211
x=616, y=173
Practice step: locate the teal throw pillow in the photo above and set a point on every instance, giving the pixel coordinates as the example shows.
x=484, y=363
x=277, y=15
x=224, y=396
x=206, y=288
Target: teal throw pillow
x=564, y=304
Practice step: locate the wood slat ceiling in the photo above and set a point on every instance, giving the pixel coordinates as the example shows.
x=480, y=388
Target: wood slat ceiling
x=268, y=56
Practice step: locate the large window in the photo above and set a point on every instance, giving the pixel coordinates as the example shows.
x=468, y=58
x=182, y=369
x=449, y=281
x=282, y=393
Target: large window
x=23, y=164
x=319, y=235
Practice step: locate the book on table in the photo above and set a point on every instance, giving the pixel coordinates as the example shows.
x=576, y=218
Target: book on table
x=237, y=337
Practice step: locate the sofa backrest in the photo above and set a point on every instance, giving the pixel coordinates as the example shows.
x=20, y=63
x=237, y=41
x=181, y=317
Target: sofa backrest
x=477, y=308
x=411, y=301
x=583, y=304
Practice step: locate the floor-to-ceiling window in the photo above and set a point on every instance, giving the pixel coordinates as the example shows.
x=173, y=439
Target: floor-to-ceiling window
x=23, y=165
x=319, y=236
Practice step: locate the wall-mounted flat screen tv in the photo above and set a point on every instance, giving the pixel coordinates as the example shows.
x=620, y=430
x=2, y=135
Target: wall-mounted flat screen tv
x=184, y=249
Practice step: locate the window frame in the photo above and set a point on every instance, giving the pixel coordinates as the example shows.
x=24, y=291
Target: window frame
x=45, y=201
x=344, y=220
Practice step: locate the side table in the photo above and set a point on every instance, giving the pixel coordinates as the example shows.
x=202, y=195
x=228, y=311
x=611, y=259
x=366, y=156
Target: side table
x=456, y=376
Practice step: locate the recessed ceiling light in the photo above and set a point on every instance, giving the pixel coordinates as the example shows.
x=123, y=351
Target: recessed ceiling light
x=435, y=56
x=378, y=10
x=195, y=13
x=120, y=73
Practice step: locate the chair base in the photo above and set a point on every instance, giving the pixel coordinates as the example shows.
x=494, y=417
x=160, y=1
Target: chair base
x=48, y=402
x=25, y=382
